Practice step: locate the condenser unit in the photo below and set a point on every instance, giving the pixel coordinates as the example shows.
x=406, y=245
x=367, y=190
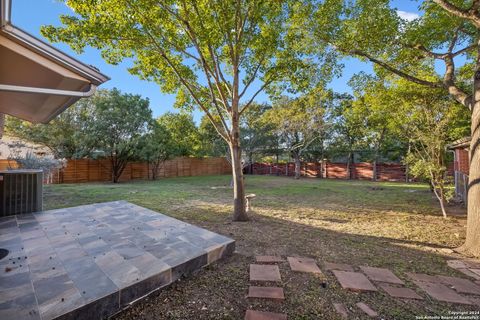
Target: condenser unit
x=21, y=191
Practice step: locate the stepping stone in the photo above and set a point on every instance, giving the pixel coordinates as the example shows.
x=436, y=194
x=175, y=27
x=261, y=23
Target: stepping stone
x=472, y=264
x=461, y=285
x=475, y=301
x=423, y=277
x=355, y=281
x=396, y=292
x=338, y=266
x=266, y=292
x=381, y=275
x=303, y=265
x=261, y=315
x=261, y=272
x=471, y=273
x=369, y=311
x=268, y=259
x=456, y=264
x=341, y=310
x=476, y=271
x=441, y=292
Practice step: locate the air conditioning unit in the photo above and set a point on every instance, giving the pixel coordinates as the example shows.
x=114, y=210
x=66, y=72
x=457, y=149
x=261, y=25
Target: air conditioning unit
x=21, y=191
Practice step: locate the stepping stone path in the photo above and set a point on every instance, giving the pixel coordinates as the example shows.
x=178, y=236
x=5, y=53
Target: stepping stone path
x=434, y=287
x=469, y=268
x=260, y=315
x=268, y=259
x=303, y=265
x=260, y=272
x=402, y=292
x=441, y=292
x=354, y=281
x=338, y=266
x=461, y=285
x=381, y=275
x=266, y=292
x=365, y=308
x=341, y=310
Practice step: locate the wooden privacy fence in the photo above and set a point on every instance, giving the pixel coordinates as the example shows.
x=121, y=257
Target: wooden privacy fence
x=88, y=170
x=362, y=170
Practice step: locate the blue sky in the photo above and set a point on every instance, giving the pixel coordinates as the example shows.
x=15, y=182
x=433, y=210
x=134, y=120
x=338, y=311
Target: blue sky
x=30, y=15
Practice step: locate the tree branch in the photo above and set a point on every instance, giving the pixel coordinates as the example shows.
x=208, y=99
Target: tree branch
x=396, y=71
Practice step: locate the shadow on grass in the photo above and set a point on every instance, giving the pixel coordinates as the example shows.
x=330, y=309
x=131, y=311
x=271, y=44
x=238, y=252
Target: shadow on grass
x=219, y=291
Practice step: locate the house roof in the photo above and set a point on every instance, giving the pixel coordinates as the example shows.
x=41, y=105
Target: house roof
x=462, y=143
x=38, y=81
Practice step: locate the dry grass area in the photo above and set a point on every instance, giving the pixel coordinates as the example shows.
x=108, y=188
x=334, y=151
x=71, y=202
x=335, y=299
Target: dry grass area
x=392, y=225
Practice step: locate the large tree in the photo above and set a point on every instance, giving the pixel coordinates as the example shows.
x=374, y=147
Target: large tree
x=216, y=55
x=446, y=33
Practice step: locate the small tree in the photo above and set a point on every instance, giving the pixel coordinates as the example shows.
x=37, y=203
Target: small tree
x=156, y=147
x=119, y=122
x=298, y=122
x=429, y=120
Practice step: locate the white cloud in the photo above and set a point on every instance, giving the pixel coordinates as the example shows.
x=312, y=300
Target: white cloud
x=409, y=16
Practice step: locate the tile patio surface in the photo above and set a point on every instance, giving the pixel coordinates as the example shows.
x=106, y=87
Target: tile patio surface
x=91, y=261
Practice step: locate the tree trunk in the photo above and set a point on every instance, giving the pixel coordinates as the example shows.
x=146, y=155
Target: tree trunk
x=439, y=193
x=350, y=165
x=239, y=213
x=297, y=166
x=472, y=242
x=374, y=173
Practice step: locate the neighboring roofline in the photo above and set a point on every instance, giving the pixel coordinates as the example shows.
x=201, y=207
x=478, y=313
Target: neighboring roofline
x=46, y=50
x=460, y=143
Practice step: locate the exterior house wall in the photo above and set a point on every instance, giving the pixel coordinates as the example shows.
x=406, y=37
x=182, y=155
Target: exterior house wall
x=461, y=161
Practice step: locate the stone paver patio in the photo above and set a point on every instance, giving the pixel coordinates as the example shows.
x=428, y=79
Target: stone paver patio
x=91, y=261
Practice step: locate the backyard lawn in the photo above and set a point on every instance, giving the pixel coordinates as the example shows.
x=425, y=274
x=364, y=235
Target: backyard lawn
x=392, y=225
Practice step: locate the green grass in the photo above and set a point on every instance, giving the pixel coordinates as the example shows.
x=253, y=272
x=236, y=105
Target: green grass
x=393, y=225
